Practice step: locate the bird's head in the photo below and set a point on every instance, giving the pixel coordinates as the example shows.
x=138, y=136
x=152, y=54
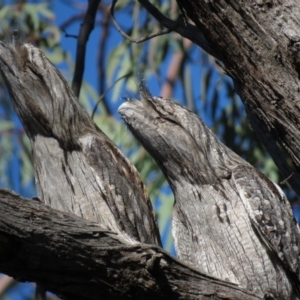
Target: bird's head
x=41, y=96
x=178, y=140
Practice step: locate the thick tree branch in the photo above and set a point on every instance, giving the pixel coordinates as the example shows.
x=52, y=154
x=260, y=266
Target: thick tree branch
x=76, y=259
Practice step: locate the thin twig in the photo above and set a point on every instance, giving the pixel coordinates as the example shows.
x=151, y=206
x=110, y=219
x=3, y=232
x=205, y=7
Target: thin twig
x=285, y=180
x=86, y=27
x=186, y=30
x=67, y=35
x=142, y=39
x=103, y=95
x=71, y=20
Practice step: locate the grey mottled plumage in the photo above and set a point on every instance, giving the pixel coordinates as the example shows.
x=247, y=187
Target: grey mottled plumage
x=229, y=220
x=77, y=167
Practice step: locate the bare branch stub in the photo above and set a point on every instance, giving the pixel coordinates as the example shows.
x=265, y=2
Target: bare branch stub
x=68, y=35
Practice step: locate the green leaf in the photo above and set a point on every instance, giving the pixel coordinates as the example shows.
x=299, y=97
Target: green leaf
x=114, y=59
x=57, y=56
x=32, y=11
x=6, y=125
x=125, y=68
x=45, y=11
x=5, y=11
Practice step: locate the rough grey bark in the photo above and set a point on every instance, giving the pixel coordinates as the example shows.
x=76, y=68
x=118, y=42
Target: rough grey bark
x=229, y=220
x=77, y=259
x=258, y=42
x=77, y=168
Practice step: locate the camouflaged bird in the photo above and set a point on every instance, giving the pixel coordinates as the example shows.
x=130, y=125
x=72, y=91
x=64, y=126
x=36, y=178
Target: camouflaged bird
x=229, y=220
x=77, y=167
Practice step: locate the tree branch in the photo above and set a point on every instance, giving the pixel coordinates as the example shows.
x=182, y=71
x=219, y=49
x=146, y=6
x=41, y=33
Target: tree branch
x=142, y=39
x=186, y=30
x=86, y=28
x=76, y=259
x=102, y=60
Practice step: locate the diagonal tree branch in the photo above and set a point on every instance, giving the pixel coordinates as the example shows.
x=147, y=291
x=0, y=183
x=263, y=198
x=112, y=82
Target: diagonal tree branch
x=76, y=259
